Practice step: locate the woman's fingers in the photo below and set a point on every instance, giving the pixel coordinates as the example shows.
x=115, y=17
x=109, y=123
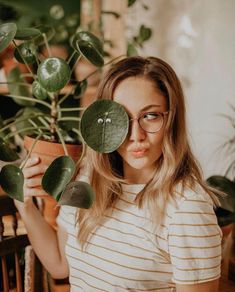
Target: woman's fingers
x=34, y=170
x=32, y=160
x=33, y=167
x=33, y=173
x=33, y=182
x=34, y=192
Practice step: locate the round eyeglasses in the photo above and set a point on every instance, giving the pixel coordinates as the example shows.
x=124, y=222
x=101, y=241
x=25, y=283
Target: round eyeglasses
x=151, y=122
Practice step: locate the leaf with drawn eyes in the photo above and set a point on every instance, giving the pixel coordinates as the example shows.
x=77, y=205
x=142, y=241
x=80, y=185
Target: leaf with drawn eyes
x=104, y=125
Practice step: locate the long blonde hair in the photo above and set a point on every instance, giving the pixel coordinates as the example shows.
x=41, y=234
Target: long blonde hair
x=176, y=165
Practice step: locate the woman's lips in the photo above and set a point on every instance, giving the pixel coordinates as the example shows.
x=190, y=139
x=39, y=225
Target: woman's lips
x=139, y=152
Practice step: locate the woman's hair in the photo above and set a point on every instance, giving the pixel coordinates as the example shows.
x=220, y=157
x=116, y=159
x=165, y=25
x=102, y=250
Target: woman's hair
x=176, y=167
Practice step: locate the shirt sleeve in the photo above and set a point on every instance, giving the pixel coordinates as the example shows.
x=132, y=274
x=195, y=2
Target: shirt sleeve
x=195, y=241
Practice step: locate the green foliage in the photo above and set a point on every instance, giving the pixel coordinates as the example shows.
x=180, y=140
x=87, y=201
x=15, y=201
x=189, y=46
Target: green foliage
x=131, y=2
x=62, y=15
x=226, y=212
x=46, y=113
x=104, y=125
x=77, y=194
x=137, y=41
x=12, y=181
x=53, y=74
x=58, y=175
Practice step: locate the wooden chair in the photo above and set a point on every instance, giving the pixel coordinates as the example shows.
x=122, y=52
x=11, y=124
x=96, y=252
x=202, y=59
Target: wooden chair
x=11, y=244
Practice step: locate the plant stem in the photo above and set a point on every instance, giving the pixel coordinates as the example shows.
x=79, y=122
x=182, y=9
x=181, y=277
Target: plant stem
x=71, y=109
x=30, y=151
x=71, y=57
x=97, y=70
x=62, y=141
x=23, y=59
x=69, y=119
x=47, y=45
x=12, y=134
x=75, y=63
x=65, y=96
x=15, y=122
x=54, y=116
x=30, y=99
x=83, y=145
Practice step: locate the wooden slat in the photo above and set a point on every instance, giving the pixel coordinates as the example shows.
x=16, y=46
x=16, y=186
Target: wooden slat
x=12, y=244
x=5, y=275
x=18, y=273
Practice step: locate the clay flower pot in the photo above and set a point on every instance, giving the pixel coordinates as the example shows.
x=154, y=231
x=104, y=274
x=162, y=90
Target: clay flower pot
x=48, y=151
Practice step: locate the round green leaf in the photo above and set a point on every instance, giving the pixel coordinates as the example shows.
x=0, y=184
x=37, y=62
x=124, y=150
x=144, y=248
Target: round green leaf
x=104, y=125
x=7, y=34
x=227, y=186
x=6, y=153
x=89, y=51
x=12, y=181
x=26, y=34
x=26, y=53
x=224, y=217
x=89, y=46
x=58, y=175
x=53, y=74
x=88, y=37
x=77, y=194
x=38, y=91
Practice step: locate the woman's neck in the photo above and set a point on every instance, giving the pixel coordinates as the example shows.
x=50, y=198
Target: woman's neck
x=138, y=176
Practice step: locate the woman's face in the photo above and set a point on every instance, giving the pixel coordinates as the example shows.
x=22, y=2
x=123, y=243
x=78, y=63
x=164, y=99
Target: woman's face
x=141, y=150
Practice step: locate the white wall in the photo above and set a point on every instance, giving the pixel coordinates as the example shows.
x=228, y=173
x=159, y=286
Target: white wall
x=197, y=37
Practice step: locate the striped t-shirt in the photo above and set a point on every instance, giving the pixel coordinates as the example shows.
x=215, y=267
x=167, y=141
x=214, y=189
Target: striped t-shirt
x=126, y=253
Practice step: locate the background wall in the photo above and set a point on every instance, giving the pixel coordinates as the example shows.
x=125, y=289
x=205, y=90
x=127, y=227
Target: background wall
x=197, y=37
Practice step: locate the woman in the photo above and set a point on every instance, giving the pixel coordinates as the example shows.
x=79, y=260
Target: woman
x=152, y=226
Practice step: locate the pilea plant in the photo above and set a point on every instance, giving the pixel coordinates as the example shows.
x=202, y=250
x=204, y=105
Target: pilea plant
x=48, y=114
x=226, y=183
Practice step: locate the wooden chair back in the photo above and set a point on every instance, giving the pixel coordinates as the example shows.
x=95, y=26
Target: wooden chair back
x=10, y=244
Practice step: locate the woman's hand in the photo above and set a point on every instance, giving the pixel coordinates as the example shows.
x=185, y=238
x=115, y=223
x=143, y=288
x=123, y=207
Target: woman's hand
x=33, y=173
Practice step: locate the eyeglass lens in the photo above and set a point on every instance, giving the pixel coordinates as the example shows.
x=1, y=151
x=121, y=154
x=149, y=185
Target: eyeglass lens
x=151, y=122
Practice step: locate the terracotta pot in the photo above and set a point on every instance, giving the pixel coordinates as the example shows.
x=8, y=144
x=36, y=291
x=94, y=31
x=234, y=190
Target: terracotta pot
x=48, y=151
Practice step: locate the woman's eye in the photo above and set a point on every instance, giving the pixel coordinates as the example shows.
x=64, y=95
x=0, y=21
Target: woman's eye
x=151, y=116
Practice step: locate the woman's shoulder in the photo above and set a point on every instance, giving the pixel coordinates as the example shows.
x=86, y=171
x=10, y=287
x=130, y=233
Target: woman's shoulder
x=190, y=199
x=194, y=194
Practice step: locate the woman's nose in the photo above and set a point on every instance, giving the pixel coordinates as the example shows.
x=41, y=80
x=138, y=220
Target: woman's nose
x=136, y=133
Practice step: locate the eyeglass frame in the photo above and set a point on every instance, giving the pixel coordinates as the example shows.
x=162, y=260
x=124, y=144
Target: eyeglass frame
x=163, y=114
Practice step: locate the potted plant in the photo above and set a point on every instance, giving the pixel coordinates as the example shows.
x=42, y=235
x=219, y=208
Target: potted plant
x=226, y=212
x=49, y=112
